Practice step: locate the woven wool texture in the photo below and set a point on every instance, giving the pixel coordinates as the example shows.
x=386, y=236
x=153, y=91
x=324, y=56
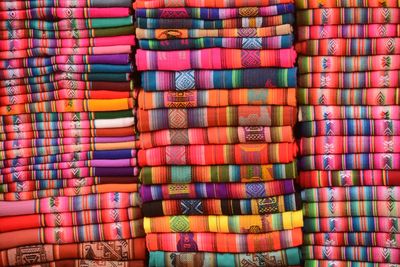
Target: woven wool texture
x=69, y=192
x=349, y=114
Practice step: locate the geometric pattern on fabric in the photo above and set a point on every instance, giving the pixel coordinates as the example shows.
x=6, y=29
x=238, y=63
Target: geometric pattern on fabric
x=191, y=207
x=179, y=224
x=184, y=80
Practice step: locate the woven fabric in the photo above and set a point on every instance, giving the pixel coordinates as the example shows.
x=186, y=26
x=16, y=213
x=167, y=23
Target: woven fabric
x=352, y=239
x=269, y=205
x=167, y=34
x=303, y=4
x=23, y=4
x=218, y=98
x=214, y=58
x=213, y=14
x=281, y=257
x=121, y=250
x=367, y=254
x=230, y=154
x=291, y=221
x=225, y=243
x=207, y=3
x=221, y=190
x=217, y=173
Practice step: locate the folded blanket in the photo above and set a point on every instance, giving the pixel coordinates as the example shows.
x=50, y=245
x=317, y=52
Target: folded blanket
x=269, y=205
x=206, y=79
x=385, y=127
x=157, y=119
x=353, y=239
x=223, y=243
x=164, y=34
x=113, y=200
x=382, y=113
x=352, y=208
x=69, y=34
x=86, y=233
x=378, y=161
x=348, y=15
x=303, y=4
x=251, y=22
x=15, y=223
x=206, y=3
x=66, y=24
x=252, y=43
x=65, y=94
x=350, y=224
x=353, y=96
x=218, y=98
x=217, y=173
x=23, y=4
x=368, y=254
x=46, y=51
x=213, y=190
x=11, y=88
x=11, y=175
x=348, y=144
x=70, y=105
x=70, y=191
x=326, y=263
x=65, y=77
x=349, y=47
x=125, y=125
x=93, y=263
x=54, y=13
x=54, y=133
x=94, y=69
x=288, y=257
x=213, y=14
x=214, y=58
x=54, y=157
x=116, y=59
x=222, y=154
x=117, y=250
x=348, y=31
x=27, y=186
x=310, y=179
x=67, y=116
x=226, y=224
x=26, y=43
x=381, y=79
x=348, y=64
x=214, y=135
x=355, y=193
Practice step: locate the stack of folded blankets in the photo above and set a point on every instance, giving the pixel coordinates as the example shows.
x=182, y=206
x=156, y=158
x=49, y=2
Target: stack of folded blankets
x=69, y=192
x=215, y=118
x=349, y=101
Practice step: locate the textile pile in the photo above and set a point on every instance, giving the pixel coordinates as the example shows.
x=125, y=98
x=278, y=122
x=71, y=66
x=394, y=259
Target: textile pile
x=69, y=192
x=349, y=67
x=215, y=117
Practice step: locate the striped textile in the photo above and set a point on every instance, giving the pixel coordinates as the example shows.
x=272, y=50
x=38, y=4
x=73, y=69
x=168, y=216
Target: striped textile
x=325, y=263
x=206, y=3
x=269, y=205
x=217, y=173
x=226, y=243
x=214, y=58
x=206, y=79
x=304, y=4
x=158, y=119
x=312, y=179
x=164, y=34
x=382, y=208
x=217, y=98
x=358, y=15
x=217, y=135
x=290, y=257
x=23, y=4
x=353, y=239
x=213, y=14
x=228, y=154
x=218, y=191
x=227, y=224
x=246, y=43
x=367, y=254
x=122, y=250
